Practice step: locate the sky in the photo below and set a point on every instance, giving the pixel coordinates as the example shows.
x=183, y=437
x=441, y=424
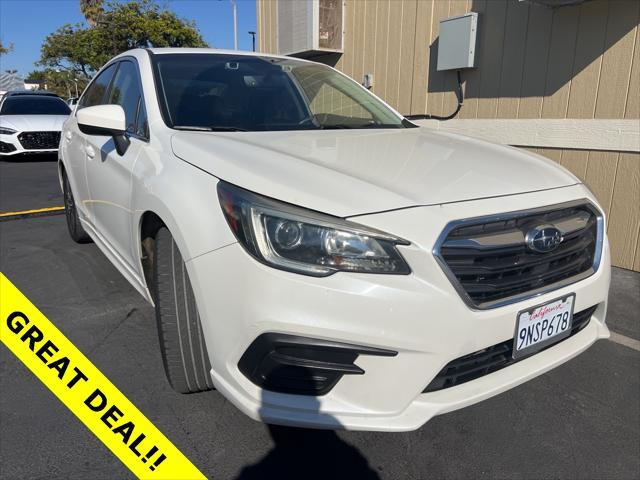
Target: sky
x=26, y=23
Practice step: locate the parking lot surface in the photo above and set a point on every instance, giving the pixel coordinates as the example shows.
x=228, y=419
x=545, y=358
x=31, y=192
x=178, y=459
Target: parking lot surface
x=582, y=420
x=28, y=183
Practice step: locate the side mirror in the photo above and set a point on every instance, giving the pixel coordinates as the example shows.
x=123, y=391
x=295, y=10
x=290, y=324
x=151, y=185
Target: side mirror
x=106, y=120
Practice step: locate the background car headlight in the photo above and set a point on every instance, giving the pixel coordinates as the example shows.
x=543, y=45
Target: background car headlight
x=7, y=131
x=303, y=241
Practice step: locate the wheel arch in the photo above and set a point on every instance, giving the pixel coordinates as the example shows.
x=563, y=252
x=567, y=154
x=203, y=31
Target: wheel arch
x=150, y=221
x=62, y=171
x=149, y=225
x=184, y=200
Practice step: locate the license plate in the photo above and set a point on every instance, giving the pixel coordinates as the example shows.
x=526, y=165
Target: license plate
x=543, y=325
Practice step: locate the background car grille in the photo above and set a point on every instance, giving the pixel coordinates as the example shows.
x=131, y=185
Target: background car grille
x=6, y=147
x=492, y=359
x=490, y=263
x=39, y=140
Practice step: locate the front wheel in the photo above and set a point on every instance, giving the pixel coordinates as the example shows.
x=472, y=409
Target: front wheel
x=78, y=234
x=184, y=353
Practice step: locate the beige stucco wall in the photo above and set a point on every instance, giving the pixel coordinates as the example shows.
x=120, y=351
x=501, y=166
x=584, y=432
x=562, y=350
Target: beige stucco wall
x=579, y=62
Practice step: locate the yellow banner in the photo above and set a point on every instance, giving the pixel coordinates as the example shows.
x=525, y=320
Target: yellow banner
x=87, y=392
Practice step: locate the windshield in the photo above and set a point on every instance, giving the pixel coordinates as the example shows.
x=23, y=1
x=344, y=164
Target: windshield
x=246, y=93
x=34, y=105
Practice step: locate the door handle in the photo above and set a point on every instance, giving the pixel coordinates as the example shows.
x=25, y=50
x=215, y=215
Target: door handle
x=91, y=153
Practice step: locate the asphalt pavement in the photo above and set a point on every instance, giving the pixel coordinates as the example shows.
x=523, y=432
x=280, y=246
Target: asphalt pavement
x=582, y=420
x=29, y=182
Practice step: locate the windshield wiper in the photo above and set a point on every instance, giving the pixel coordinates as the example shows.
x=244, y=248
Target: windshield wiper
x=222, y=128
x=190, y=127
x=339, y=126
x=213, y=128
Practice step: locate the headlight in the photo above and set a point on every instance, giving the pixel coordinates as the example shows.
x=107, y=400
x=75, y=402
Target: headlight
x=7, y=131
x=303, y=241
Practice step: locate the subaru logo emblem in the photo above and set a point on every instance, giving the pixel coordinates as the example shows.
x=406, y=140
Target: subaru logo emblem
x=544, y=238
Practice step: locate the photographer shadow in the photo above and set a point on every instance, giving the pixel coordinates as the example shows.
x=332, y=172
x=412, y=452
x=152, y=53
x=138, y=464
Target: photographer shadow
x=304, y=453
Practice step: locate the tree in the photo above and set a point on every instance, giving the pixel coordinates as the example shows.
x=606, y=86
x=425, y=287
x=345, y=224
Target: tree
x=92, y=11
x=4, y=50
x=121, y=27
x=62, y=82
x=37, y=76
x=74, y=48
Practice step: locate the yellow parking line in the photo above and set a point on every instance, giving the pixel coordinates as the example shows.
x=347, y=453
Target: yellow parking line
x=30, y=212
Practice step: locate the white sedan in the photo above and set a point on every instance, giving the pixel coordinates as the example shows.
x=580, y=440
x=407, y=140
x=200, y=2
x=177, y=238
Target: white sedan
x=315, y=256
x=31, y=123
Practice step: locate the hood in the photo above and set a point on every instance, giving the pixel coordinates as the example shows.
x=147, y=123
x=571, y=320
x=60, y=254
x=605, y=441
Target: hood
x=33, y=123
x=353, y=172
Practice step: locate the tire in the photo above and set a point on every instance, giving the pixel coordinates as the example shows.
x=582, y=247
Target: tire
x=184, y=353
x=76, y=231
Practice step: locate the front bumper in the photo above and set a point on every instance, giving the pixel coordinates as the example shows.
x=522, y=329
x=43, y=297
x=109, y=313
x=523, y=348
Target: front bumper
x=420, y=316
x=10, y=145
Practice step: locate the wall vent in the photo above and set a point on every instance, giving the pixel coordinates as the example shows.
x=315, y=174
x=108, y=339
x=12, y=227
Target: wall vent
x=306, y=29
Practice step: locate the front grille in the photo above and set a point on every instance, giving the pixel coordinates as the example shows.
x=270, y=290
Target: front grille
x=39, y=140
x=492, y=359
x=6, y=147
x=490, y=263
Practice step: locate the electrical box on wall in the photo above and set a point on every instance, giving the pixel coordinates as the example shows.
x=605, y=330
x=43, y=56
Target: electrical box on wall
x=457, y=42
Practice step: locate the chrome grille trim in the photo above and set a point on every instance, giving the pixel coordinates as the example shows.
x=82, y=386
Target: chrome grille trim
x=511, y=239
x=515, y=237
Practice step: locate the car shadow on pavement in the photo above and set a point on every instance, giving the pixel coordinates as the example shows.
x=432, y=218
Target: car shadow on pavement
x=30, y=158
x=303, y=453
